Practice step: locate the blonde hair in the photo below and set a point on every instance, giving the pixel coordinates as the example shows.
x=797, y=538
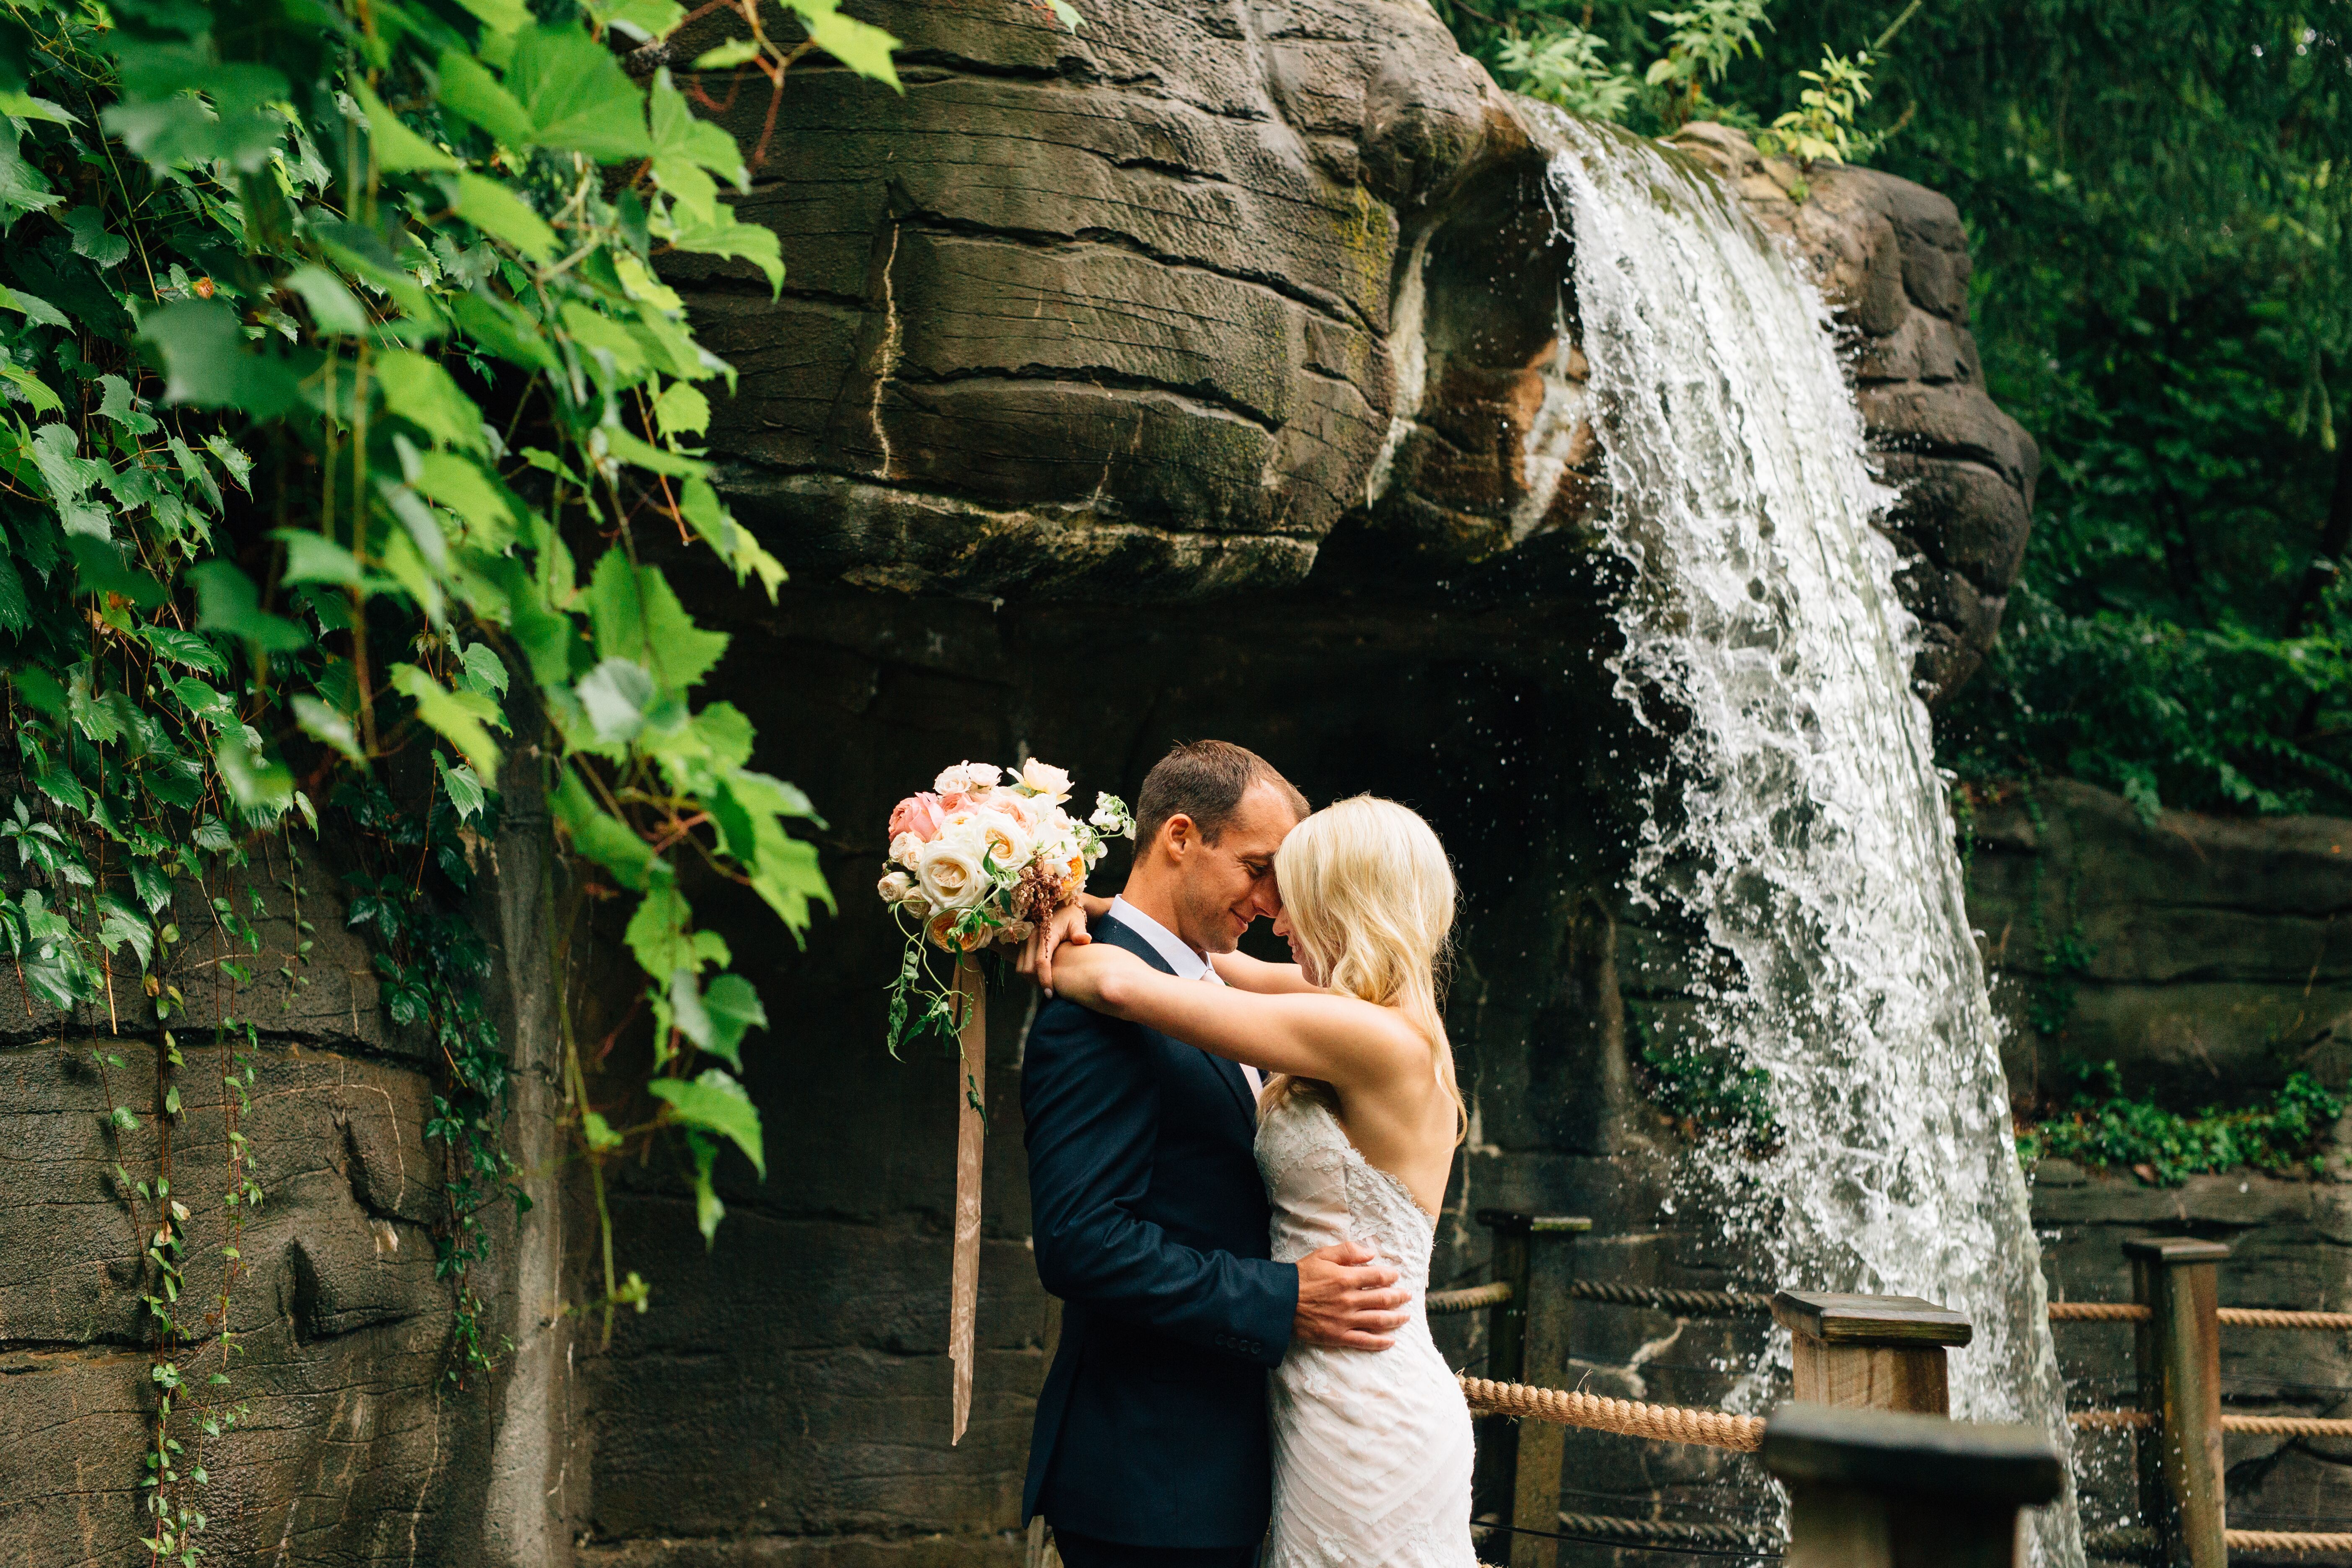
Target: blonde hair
x=1370, y=897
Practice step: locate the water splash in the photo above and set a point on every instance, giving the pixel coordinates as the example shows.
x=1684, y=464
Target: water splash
x=1799, y=819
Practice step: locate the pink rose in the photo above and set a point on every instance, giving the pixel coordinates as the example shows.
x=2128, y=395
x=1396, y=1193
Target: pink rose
x=919, y=815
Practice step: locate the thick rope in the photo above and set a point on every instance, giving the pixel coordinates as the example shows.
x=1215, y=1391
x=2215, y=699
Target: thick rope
x=1660, y=1423
x=2273, y=1426
x=2286, y=1540
x=1728, y=1536
x=1689, y=1303
x=1469, y=1298
x=2263, y=1318
x=2239, y=1317
x=2288, y=1425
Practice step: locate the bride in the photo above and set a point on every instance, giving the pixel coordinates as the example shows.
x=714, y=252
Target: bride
x=1357, y=1128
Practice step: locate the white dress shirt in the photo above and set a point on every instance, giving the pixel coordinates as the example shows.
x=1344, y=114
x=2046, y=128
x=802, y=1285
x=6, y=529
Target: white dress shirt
x=1187, y=963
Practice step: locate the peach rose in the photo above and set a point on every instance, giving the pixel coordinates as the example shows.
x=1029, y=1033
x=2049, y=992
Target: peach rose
x=1047, y=780
x=919, y=815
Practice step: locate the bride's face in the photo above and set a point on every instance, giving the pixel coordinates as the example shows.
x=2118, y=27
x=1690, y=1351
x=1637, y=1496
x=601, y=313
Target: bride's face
x=1298, y=954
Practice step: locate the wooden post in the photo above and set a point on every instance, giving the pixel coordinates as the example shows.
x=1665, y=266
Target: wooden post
x=1873, y=1352
x=1515, y=1461
x=2179, y=1346
x=1494, y=1486
x=1543, y=1360
x=1879, y=1488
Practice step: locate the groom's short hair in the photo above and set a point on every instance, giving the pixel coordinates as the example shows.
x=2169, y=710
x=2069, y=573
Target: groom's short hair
x=1205, y=781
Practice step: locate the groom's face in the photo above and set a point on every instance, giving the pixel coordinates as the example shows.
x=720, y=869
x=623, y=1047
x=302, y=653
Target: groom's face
x=1228, y=884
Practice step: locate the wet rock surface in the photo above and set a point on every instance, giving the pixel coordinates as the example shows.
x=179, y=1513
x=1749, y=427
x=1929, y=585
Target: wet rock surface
x=1174, y=305
x=2200, y=954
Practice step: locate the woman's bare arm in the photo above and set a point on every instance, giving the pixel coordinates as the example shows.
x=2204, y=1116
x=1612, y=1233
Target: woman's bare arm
x=1247, y=973
x=1312, y=1034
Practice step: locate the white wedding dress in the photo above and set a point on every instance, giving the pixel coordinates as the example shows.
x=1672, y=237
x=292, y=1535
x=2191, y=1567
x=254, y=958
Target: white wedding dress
x=1372, y=1448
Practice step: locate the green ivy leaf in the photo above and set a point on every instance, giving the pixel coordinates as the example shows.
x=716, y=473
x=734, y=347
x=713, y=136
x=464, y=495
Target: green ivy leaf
x=398, y=149
x=715, y=1103
x=658, y=935
x=323, y=723
x=860, y=46
x=226, y=600
x=734, y=1010
x=422, y=393
x=335, y=308
x=577, y=96
x=636, y=617
x=599, y=837
x=469, y=91
x=208, y=364
x=459, y=716
x=463, y=785
x=707, y=1210
x=497, y=211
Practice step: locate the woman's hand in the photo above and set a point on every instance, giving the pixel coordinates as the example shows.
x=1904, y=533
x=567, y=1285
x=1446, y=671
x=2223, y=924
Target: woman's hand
x=1097, y=974
x=1068, y=927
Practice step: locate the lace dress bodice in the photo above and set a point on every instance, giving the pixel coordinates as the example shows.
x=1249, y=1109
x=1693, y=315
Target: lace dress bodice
x=1372, y=1448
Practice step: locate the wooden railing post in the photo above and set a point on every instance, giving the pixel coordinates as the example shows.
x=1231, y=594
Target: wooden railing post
x=2179, y=1355
x=1875, y=1489
x=1873, y=1352
x=1520, y=1466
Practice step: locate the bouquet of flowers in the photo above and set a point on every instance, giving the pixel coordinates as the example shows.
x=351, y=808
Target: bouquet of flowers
x=979, y=860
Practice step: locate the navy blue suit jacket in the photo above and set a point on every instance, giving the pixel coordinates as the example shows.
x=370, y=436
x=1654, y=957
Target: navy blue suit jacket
x=1149, y=1221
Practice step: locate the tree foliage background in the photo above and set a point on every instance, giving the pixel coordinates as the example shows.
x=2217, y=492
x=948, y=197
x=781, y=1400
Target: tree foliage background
x=2157, y=195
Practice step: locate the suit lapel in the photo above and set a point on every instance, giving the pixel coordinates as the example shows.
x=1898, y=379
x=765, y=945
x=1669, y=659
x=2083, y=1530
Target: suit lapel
x=1120, y=935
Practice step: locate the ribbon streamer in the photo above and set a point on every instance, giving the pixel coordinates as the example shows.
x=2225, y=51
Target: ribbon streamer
x=971, y=1090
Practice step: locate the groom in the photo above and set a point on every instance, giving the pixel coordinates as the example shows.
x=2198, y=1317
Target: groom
x=1150, y=1221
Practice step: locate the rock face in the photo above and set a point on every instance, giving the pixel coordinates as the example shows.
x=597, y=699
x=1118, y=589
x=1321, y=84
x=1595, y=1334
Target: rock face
x=1173, y=305
x=352, y=1447
x=1088, y=311
x=2200, y=954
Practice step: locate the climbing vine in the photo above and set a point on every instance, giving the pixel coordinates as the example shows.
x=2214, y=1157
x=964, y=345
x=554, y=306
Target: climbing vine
x=339, y=397
x=2100, y=1126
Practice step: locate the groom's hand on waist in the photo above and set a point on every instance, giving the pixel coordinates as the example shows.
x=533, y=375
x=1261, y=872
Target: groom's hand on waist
x=1347, y=1300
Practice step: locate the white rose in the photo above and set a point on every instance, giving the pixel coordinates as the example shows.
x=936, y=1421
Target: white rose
x=905, y=848
x=1047, y=780
x=895, y=887
x=950, y=873
x=1007, y=839
x=967, y=778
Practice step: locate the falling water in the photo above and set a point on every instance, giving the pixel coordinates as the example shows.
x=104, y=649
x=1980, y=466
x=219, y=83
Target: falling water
x=1799, y=817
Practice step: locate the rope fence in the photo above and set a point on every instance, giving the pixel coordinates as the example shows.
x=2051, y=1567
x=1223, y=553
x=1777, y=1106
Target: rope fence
x=2270, y=1425
x=2264, y=1318
x=2175, y=1315
x=2287, y=1541
x=2239, y=1317
x=1469, y=1298
x=1690, y=1303
x=1661, y=1423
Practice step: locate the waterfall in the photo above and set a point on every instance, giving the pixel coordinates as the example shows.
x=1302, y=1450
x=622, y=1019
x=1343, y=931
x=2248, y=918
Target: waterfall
x=1798, y=819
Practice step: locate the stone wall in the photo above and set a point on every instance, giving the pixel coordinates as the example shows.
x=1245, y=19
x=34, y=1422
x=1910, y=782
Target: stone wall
x=2200, y=954
x=2209, y=972
x=351, y=1447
